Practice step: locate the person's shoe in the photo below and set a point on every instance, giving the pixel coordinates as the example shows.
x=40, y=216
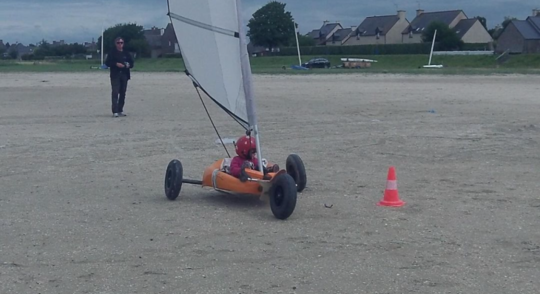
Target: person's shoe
x=115, y=115
x=122, y=114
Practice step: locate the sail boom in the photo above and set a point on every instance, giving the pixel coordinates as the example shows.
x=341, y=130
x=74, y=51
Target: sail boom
x=242, y=122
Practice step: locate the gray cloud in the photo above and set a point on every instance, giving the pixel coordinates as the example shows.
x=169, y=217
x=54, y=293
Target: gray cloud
x=29, y=21
x=73, y=21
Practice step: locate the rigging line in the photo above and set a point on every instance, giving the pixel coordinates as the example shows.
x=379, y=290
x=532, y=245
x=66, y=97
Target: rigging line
x=197, y=85
x=204, y=105
x=238, y=121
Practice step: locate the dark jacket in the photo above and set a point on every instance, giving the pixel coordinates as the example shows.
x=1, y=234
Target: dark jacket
x=115, y=56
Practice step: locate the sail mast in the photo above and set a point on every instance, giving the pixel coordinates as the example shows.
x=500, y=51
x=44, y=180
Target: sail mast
x=432, y=46
x=246, y=75
x=102, y=40
x=297, y=44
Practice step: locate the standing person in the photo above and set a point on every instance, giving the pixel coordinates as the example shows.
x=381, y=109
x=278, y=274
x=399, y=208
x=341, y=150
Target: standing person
x=119, y=63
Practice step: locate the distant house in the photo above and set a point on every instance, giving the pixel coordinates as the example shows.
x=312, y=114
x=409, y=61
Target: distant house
x=384, y=29
x=169, y=43
x=161, y=41
x=472, y=31
x=254, y=50
x=153, y=37
x=91, y=46
x=340, y=36
x=521, y=36
x=3, y=49
x=413, y=32
x=469, y=30
x=22, y=49
x=324, y=34
x=58, y=43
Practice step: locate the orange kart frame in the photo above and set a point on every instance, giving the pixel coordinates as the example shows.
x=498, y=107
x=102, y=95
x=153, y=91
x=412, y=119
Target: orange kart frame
x=215, y=176
x=279, y=188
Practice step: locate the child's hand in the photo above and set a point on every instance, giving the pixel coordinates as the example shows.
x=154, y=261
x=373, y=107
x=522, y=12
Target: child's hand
x=243, y=176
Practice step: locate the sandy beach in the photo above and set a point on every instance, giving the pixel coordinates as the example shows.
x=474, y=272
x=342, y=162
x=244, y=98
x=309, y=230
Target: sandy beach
x=83, y=210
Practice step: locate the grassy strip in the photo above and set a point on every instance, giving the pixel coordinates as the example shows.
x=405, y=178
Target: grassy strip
x=408, y=64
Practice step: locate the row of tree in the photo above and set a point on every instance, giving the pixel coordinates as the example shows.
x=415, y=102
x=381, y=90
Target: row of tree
x=44, y=49
x=133, y=36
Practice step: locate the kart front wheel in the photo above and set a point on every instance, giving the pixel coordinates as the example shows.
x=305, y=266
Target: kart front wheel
x=283, y=196
x=173, y=179
x=295, y=168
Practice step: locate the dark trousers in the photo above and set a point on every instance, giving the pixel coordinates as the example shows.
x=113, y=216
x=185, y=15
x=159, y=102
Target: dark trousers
x=119, y=87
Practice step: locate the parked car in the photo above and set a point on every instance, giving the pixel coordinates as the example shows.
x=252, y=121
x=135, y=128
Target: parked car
x=317, y=63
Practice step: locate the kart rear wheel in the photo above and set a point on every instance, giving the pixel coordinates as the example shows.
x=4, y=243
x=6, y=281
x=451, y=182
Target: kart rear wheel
x=283, y=196
x=295, y=168
x=173, y=179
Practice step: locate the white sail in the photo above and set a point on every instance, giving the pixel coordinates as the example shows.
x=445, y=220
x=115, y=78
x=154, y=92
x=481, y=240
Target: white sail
x=208, y=34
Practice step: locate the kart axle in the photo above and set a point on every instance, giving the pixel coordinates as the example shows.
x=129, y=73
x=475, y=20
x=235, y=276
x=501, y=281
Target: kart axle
x=188, y=181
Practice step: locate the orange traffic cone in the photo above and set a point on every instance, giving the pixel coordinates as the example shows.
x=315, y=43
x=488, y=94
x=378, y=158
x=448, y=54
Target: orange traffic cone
x=391, y=195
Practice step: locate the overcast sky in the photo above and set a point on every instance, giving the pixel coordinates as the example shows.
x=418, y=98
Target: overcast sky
x=29, y=21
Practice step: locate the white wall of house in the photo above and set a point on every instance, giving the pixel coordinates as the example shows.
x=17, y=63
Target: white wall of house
x=411, y=38
x=334, y=43
x=365, y=40
x=394, y=34
x=477, y=34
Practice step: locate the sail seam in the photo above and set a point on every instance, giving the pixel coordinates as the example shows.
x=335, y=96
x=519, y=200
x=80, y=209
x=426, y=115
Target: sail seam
x=204, y=25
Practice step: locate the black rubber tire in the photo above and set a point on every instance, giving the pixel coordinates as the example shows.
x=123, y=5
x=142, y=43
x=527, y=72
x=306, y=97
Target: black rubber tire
x=283, y=196
x=173, y=179
x=295, y=168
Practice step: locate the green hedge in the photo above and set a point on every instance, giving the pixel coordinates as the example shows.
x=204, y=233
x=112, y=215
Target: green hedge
x=172, y=55
x=395, y=49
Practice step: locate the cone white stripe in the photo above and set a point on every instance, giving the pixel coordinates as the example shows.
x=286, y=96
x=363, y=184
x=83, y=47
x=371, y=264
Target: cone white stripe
x=391, y=185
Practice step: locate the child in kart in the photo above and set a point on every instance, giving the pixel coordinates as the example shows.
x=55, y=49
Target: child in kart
x=246, y=148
